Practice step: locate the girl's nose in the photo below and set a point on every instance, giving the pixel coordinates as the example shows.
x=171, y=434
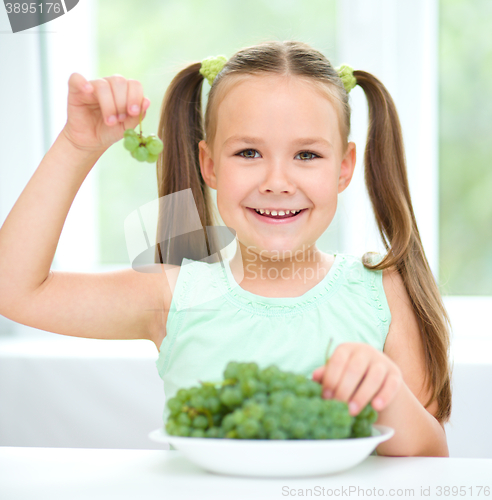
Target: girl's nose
x=277, y=180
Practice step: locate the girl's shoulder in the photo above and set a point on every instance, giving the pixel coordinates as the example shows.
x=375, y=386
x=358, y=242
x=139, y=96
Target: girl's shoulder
x=354, y=265
x=370, y=258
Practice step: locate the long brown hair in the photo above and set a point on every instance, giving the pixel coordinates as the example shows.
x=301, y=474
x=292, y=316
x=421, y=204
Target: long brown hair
x=181, y=128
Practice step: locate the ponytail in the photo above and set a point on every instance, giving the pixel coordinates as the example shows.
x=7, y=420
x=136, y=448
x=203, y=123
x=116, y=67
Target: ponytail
x=178, y=168
x=387, y=184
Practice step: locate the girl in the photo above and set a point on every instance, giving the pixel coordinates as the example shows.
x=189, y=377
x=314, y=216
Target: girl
x=274, y=146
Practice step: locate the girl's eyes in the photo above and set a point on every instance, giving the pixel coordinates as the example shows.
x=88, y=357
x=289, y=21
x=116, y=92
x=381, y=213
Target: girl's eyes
x=301, y=153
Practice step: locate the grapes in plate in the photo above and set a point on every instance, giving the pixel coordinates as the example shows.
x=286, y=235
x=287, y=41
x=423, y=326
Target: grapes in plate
x=250, y=403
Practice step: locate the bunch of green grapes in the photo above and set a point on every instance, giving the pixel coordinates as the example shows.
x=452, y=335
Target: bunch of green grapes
x=263, y=404
x=142, y=148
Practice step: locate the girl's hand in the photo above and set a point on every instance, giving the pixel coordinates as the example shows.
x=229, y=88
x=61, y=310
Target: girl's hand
x=100, y=111
x=357, y=373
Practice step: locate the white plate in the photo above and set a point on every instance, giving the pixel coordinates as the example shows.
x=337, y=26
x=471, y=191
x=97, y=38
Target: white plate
x=275, y=458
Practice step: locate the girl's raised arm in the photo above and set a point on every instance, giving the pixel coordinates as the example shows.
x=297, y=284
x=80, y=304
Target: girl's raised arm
x=116, y=305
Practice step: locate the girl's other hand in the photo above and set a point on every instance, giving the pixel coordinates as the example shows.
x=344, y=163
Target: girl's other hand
x=99, y=111
x=359, y=374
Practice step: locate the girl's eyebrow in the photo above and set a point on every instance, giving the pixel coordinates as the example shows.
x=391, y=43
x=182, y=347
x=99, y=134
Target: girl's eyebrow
x=304, y=141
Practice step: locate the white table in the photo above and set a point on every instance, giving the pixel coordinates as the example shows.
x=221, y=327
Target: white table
x=78, y=473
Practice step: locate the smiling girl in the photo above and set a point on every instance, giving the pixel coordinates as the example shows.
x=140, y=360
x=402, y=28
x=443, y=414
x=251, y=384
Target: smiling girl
x=274, y=145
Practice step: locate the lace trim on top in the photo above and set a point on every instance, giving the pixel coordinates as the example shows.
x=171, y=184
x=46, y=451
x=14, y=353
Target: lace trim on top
x=276, y=306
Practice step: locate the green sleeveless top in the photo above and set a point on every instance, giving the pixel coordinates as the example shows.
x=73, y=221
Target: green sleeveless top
x=212, y=321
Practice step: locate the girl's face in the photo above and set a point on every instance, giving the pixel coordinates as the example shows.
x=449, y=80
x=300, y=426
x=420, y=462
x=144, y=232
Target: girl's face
x=277, y=147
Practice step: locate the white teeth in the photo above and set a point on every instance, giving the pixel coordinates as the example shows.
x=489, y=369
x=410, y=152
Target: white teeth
x=275, y=213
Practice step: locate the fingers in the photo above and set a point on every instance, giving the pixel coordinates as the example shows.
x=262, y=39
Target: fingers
x=119, y=99
x=390, y=387
x=358, y=374
x=128, y=97
x=355, y=371
x=334, y=370
x=77, y=83
x=119, y=88
x=135, y=98
x=104, y=95
x=373, y=379
x=318, y=374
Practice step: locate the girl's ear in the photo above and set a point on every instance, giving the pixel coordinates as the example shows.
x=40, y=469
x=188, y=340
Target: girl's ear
x=207, y=165
x=347, y=167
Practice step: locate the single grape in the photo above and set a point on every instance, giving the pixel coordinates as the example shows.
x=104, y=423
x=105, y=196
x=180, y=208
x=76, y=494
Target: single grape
x=228, y=422
x=197, y=401
x=260, y=397
x=183, y=430
x=141, y=153
x=231, y=397
x=131, y=143
x=253, y=409
x=314, y=388
x=276, y=384
x=340, y=433
x=130, y=132
x=289, y=402
x=174, y=405
x=270, y=423
x=249, y=428
x=368, y=413
x=152, y=158
x=149, y=138
x=300, y=430
x=217, y=419
x=193, y=391
x=230, y=371
x=213, y=432
x=213, y=404
x=154, y=145
x=286, y=421
x=171, y=427
x=320, y=433
x=239, y=417
x=197, y=433
x=277, y=434
x=183, y=419
x=200, y=422
x=249, y=387
x=361, y=428
x=268, y=373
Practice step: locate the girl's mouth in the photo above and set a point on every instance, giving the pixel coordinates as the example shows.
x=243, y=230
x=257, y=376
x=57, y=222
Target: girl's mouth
x=277, y=219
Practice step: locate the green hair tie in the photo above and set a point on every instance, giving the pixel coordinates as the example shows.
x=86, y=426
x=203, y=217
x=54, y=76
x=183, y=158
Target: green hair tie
x=346, y=73
x=211, y=67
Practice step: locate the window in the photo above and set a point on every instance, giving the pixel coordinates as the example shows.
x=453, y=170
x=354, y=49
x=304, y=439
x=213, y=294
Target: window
x=465, y=149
